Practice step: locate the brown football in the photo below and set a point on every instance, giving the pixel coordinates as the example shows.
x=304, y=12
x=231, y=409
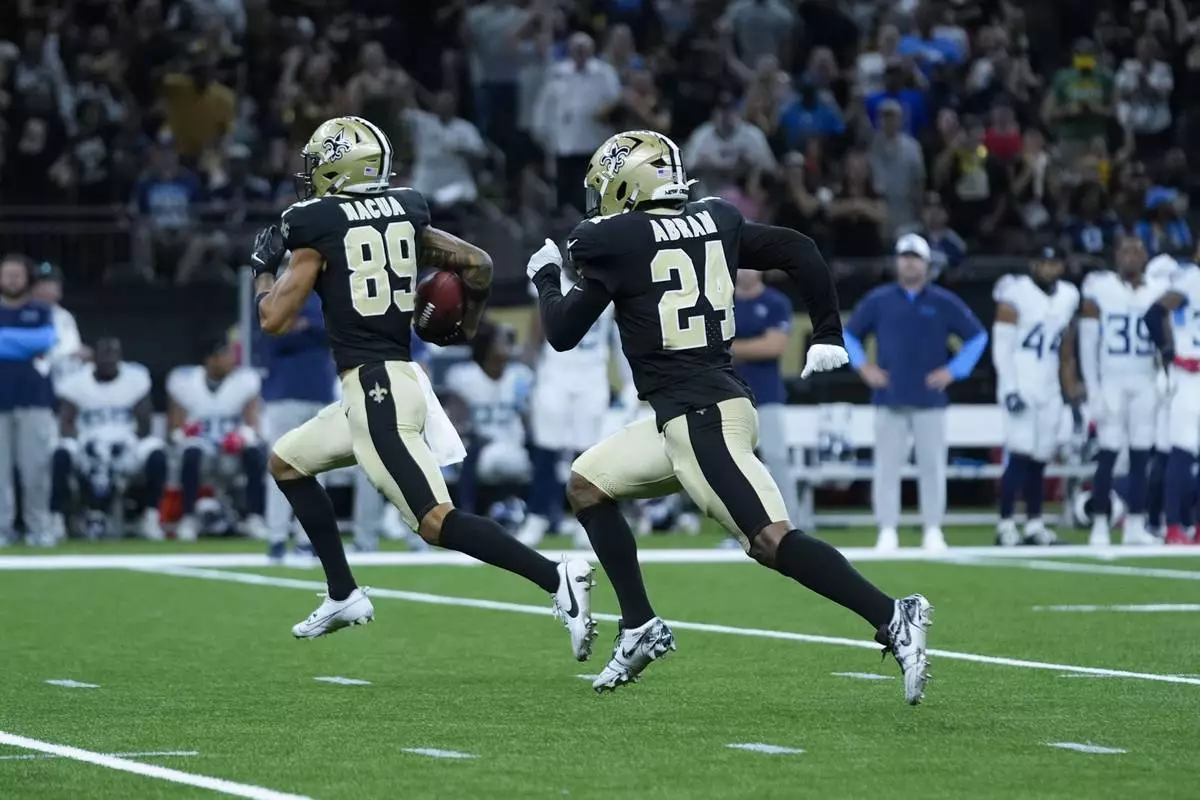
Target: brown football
x=439, y=304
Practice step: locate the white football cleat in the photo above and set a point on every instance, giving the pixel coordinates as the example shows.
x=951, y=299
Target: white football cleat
x=1007, y=534
x=333, y=615
x=255, y=527
x=533, y=530
x=933, y=540
x=1135, y=533
x=149, y=528
x=888, y=540
x=1100, y=535
x=905, y=638
x=634, y=651
x=573, y=604
x=1036, y=533
x=188, y=529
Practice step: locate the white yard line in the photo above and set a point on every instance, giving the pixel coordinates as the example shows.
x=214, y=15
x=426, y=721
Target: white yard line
x=1148, y=608
x=647, y=556
x=1048, y=565
x=340, y=681
x=769, y=749
x=150, y=754
x=1086, y=748
x=863, y=676
x=67, y=683
x=544, y=611
x=120, y=764
x=433, y=752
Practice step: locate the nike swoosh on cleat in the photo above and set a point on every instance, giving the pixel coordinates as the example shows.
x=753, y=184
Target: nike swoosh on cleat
x=573, y=611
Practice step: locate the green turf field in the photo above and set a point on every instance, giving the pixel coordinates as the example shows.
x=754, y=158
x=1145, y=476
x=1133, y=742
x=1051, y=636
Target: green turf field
x=199, y=663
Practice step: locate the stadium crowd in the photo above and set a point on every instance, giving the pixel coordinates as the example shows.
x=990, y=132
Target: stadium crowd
x=987, y=127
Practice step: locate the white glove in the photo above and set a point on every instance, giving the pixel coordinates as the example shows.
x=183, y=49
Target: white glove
x=547, y=255
x=824, y=358
x=1097, y=407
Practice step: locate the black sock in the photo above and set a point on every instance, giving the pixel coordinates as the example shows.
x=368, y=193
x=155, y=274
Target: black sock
x=818, y=566
x=487, y=541
x=616, y=549
x=314, y=511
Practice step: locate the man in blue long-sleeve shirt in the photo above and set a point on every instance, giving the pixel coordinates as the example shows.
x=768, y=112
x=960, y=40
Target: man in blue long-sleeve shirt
x=912, y=322
x=299, y=383
x=27, y=424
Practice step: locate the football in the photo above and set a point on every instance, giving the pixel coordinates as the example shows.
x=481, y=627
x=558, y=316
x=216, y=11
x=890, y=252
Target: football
x=439, y=304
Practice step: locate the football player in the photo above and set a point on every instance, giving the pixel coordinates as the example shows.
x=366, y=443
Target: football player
x=568, y=413
x=213, y=418
x=1117, y=358
x=359, y=244
x=104, y=416
x=495, y=389
x=1033, y=313
x=1161, y=270
x=669, y=265
x=1180, y=348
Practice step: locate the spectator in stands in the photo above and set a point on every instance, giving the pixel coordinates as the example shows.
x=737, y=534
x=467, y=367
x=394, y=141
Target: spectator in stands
x=1091, y=227
x=88, y=157
x=237, y=197
x=572, y=115
x=27, y=425
x=911, y=100
x=871, y=64
x=926, y=46
x=199, y=111
x=1163, y=229
x=1130, y=187
x=164, y=216
x=490, y=34
x=946, y=248
x=761, y=28
x=898, y=166
x=800, y=207
x=724, y=150
x=768, y=90
x=1144, y=85
x=378, y=90
x=973, y=184
x=822, y=74
x=620, y=53
x=447, y=148
x=810, y=114
x=1079, y=105
x=911, y=321
x=642, y=106
x=1176, y=175
x=36, y=139
x=764, y=323
x=700, y=77
x=309, y=98
x=1034, y=183
x=857, y=214
x=1003, y=138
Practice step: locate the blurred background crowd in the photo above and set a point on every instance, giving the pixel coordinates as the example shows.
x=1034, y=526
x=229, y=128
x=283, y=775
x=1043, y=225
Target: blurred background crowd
x=983, y=124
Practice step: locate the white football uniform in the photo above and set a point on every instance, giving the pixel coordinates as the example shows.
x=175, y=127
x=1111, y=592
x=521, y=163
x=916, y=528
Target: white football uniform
x=1161, y=270
x=1127, y=394
x=497, y=417
x=571, y=389
x=1185, y=371
x=105, y=419
x=1042, y=320
x=215, y=410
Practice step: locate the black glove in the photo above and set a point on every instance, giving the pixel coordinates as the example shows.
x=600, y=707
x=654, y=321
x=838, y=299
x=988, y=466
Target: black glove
x=268, y=251
x=1014, y=403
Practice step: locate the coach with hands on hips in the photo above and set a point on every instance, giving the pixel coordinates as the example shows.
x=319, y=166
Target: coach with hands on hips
x=912, y=322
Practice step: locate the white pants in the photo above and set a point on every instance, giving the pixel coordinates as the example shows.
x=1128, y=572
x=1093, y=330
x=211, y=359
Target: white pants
x=773, y=447
x=279, y=417
x=1130, y=415
x=568, y=415
x=1035, y=432
x=1184, y=431
x=895, y=428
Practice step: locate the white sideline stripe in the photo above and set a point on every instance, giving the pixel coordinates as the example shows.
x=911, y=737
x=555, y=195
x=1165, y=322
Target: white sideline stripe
x=434, y=752
x=955, y=555
x=864, y=676
x=1091, y=569
x=769, y=749
x=150, y=754
x=543, y=611
x=70, y=684
x=148, y=770
x=1077, y=675
x=1087, y=748
x=1146, y=608
x=339, y=680
x=587, y=677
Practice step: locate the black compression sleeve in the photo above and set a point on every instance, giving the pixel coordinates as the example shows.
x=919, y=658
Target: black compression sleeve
x=765, y=247
x=567, y=319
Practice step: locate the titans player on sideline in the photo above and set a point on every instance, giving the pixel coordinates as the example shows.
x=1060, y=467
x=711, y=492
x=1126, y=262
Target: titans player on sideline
x=359, y=244
x=668, y=265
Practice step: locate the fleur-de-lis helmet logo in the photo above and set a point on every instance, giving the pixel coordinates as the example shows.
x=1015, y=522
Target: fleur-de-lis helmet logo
x=336, y=146
x=614, y=158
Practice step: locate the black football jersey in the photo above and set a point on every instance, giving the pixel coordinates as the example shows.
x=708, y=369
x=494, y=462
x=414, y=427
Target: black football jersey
x=371, y=247
x=671, y=277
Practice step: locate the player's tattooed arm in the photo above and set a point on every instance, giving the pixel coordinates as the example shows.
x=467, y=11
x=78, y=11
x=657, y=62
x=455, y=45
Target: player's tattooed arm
x=764, y=247
x=143, y=416
x=445, y=251
x=280, y=301
x=566, y=319
x=1068, y=366
x=68, y=413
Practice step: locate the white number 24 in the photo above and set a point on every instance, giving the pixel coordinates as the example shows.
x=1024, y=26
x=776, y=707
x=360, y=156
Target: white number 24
x=371, y=255
x=682, y=321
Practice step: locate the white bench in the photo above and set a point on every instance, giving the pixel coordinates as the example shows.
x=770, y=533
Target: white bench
x=967, y=427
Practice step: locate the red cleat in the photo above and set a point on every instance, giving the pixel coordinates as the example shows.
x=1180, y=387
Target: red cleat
x=1176, y=535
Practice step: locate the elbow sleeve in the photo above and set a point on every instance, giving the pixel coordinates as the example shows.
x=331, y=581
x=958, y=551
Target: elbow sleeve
x=1089, y=351
x=1004, y=345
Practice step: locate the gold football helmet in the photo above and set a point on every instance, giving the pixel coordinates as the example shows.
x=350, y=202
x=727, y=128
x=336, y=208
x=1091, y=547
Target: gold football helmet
x=345, y=155
x=631, y=168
